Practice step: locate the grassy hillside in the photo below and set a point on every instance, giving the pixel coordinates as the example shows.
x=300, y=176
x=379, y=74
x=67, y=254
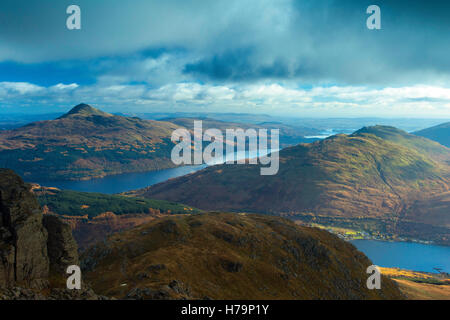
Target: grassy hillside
x=229, y=256
x=423, y=291
x=422, y=145
x=420, y=285
x=377, y=172
x=75, y=203
x=439, y=133
x=86, y=143
x=93, y=216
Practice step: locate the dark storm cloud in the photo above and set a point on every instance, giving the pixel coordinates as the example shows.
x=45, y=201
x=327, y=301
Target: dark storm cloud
x=329, y=41
x=313, y=41
x=238, y=65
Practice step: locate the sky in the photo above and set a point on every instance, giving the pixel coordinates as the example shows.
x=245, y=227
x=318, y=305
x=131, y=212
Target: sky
x=310, y=58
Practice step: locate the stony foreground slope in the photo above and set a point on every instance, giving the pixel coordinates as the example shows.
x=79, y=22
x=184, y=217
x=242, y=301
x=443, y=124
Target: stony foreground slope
x=229, y=256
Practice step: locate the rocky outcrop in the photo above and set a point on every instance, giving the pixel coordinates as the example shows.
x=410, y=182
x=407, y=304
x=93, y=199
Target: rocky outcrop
x=17, y=293
x=61, y=246
x=33, y=247
x=23, y=238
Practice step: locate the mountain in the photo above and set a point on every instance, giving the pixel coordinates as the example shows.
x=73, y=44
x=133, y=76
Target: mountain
x=375, y=179
x=422, y=145
x=229, y=256
x=86, y=143
x=84, y=110
x=289, y=134
x=13, y=120
x=439, y=133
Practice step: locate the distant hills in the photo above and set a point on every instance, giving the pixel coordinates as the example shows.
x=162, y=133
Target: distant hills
x=439, y=133
x=289, y=134
x=379, y=178
x=86, y=143
x=229, y=256
x=343, y=125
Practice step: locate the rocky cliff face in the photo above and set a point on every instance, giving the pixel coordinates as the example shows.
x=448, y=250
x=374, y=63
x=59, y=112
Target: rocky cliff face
x=30, y=244
x=23, y=238
x=61, y=246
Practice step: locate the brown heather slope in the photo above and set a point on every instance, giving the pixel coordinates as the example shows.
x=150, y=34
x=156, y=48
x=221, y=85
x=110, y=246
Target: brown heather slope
x=230, y=256
x=93, y=216
x=87, y=231
x=86, y=143
x=379, y=173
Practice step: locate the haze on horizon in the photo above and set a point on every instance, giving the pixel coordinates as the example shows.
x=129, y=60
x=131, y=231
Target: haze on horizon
x=287, y=58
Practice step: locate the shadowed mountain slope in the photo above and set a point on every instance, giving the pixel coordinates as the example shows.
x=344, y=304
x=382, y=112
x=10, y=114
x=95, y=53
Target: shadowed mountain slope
x=439, y=133
x=230, y=256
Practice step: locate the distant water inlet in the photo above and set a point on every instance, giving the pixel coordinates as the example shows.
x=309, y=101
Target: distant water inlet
x=406, y=255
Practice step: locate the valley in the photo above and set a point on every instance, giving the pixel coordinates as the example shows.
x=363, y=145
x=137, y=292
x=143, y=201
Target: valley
x=378, y=183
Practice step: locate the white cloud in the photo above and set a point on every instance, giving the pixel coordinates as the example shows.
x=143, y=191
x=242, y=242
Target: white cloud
x=420, y=100
x=20, y=88
x=191, y=93
x=62, y=86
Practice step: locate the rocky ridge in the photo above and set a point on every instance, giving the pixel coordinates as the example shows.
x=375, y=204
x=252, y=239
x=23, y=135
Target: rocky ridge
x=35, y=249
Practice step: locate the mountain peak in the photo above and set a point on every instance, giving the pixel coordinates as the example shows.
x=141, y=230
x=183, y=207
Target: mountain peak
x=379, y=129
x=84, y=110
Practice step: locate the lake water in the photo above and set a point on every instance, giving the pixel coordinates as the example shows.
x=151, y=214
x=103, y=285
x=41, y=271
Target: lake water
x=122, y=182
x=132, y=181
x=406, y=255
